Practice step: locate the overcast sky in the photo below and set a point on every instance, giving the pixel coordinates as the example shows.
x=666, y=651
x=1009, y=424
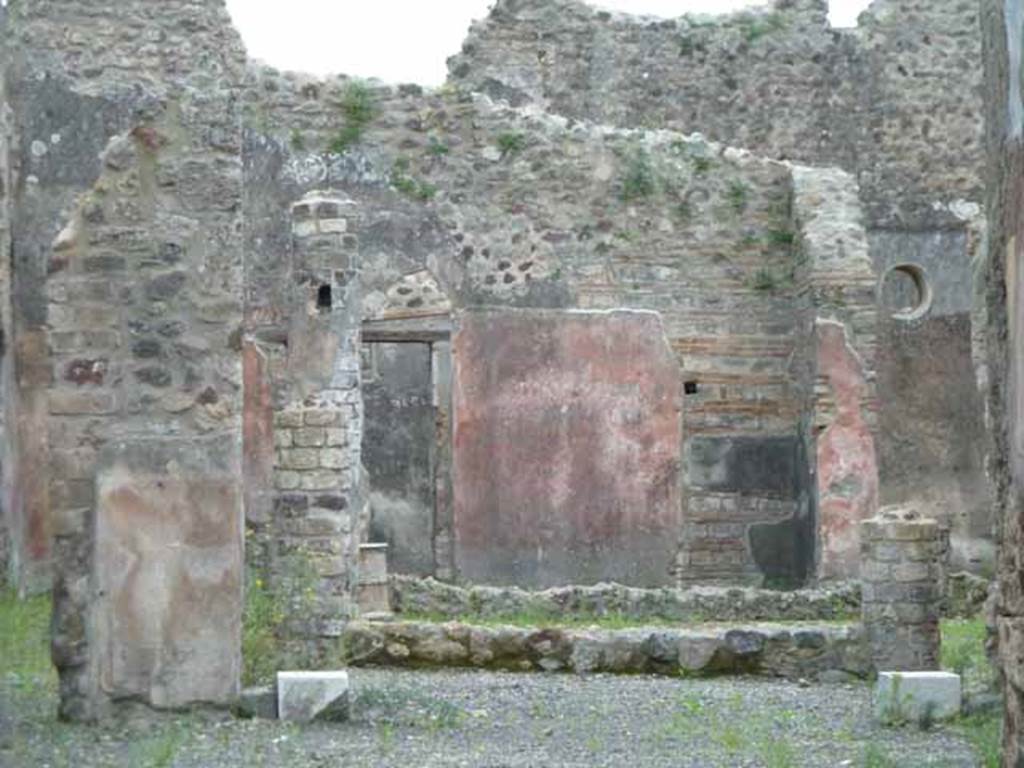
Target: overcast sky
x=407, y=41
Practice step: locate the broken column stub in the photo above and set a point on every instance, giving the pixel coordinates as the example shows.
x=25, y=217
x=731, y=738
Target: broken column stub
x=303, y=697
x=902, y=565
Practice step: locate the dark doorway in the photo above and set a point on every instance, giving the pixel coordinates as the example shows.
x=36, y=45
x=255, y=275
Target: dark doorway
x=399, y=446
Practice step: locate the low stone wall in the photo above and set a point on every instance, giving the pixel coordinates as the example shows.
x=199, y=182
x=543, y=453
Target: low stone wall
x=427, y=597
x=835, y=651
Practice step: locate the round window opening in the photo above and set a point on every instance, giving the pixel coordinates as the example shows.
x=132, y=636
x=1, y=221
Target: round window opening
x=905, y=292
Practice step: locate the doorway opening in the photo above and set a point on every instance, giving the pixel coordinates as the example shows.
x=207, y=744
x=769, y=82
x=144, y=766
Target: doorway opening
x=406, y=445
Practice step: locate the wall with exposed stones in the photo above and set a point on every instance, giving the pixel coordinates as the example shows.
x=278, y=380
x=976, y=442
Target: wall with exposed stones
x=1003, y=24
x=439, y=202
x=896, y=102
x=499, y=207
x=126, y=304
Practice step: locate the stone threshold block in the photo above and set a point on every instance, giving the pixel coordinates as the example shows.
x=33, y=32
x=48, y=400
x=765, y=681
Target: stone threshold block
x=917, y=696
x=303, y=697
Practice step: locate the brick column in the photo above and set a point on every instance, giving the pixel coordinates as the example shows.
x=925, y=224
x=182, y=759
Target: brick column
x=317, y=427
x=902, y=560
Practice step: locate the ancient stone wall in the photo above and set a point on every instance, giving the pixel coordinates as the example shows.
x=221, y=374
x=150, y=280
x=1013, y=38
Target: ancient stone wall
x=127, y=314
x=1003, y=24
x=62, y=124
x=895, y=102
x=778, y=81
x=477, y=197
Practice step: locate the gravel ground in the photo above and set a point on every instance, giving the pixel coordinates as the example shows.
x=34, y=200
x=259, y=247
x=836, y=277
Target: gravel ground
x=489, y=720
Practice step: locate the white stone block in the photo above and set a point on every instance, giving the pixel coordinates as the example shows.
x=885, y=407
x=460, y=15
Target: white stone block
x=306, y=696
x=916, y=696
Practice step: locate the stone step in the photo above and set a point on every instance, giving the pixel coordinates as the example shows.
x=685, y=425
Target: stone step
x=825, y=651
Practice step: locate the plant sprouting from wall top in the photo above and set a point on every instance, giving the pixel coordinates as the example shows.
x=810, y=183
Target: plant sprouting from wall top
x=358, y=110
x=756, y=26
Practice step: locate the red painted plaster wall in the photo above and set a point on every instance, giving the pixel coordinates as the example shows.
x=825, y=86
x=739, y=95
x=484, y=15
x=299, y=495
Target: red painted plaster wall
x=566, y=448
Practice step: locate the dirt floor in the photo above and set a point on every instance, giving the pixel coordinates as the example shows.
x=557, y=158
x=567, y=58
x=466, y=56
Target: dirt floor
x=408, y=719
x=419, y=719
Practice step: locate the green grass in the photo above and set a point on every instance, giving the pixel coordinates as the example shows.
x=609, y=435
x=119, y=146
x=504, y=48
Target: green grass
x=985, y=733
x=876, y=757
x=267, y=644
x=24, y=641
x=158, y=751
x=963, y=651
x=262, y=619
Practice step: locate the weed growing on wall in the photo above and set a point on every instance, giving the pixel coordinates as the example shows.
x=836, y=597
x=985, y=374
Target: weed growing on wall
x=437, y=148
x=754, y=27
x=511, y=143
x=738, y=195
x=638, y=179
x=781, y=237
x=408, y=185
x=764, y=280
x=358, y=110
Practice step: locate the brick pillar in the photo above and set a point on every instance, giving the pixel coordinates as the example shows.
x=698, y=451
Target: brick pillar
x=318, y=426
x=902, y=561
